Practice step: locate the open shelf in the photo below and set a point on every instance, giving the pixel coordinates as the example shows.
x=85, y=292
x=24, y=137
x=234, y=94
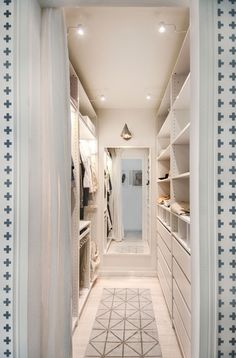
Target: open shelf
x=182, y=176
x=165, y=102
x=167, y=180
x=185, y=218
x=173, y=157
x=165, y=154
x=184, y=136
x=164, y=215
x=183, y=99
x=87, y=129
x=182, y=65
x=165, y=129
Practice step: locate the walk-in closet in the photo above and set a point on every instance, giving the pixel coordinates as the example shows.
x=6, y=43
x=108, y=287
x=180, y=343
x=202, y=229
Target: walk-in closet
x=130, y=181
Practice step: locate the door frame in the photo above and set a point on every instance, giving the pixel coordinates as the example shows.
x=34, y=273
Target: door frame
x=202, y=210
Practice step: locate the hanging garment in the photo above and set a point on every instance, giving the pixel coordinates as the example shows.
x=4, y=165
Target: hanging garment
x=95, y=259
x=118, y=228
x=94, y=187
x=85, y=156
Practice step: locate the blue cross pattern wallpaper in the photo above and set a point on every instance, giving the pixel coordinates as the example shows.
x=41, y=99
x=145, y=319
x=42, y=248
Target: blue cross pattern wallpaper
x=225, y=53
x=226, y=175
x=6, y=177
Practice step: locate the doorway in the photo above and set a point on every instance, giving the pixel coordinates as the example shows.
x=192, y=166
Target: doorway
x=126, y=196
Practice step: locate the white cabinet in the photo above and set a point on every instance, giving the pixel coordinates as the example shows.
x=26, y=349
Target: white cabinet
x=83, y=232
x=183, y=338
x=182, y=283
x=165, y=251
x=183, y=258
x=173, y=185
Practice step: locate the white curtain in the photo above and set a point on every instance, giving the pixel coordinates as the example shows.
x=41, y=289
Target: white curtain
x=118, y=228
x=56, y=186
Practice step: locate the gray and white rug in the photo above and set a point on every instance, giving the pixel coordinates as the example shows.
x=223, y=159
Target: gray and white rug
x=125, y=326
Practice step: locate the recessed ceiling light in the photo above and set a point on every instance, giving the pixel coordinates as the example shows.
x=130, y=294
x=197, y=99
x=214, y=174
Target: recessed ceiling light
x=148, y=97
x=162, y=27
x=80, y=30
x=102, y=98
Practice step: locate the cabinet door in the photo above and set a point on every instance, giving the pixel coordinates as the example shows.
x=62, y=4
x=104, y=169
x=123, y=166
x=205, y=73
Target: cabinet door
x=182, y=283
x=181, y=333
x=165, y=288
x=165, y=251
x=182, y=308
x=164, y=233
x=165, y=269
x=182, y=257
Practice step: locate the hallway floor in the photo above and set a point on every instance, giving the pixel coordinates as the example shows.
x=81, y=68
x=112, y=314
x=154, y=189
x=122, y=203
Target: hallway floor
x=132, y=244
x=168, y=341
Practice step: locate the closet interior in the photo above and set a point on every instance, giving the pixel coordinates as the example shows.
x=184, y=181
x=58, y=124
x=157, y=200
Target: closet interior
x=164, y=179
x=173, y=208
x=84, y=187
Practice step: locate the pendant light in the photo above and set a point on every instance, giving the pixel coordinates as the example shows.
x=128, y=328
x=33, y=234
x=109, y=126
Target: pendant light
x=126, y=134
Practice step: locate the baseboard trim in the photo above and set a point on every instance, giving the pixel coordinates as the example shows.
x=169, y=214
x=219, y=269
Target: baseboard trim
x=127, y=274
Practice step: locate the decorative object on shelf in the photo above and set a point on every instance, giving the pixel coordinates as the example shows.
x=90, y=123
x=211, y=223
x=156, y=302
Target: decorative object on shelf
x=136, y=177
x=163, y=27
x=165, y=177
x=126, y=134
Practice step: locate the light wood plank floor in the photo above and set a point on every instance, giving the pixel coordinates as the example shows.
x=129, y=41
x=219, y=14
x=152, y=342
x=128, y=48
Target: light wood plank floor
x=168, y=341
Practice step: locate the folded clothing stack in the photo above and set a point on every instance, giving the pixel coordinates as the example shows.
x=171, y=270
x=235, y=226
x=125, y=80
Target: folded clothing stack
x=180, y=208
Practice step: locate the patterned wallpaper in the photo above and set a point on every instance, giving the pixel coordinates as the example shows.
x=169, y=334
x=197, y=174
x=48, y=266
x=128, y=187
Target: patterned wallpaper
x=6, y=178
x=226, y=175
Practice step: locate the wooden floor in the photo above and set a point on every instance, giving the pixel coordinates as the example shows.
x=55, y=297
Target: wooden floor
x=168, y=341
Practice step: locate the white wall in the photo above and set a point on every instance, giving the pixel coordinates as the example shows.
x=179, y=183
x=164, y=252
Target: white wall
x=141, y=123
x=131, y=197
x=34, y=243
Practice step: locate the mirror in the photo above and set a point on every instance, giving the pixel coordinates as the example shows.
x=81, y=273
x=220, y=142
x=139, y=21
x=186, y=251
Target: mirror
x=126, y=200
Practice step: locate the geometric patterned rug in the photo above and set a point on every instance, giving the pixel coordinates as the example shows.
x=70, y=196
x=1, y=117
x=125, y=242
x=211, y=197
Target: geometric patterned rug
x=125, y=326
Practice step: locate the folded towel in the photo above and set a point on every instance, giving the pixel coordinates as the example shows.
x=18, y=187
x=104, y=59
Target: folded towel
x=180, y=208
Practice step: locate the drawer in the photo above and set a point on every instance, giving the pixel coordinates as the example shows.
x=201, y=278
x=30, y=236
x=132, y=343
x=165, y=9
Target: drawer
x=165, y=269
x=165, y=234
x=182, y=283
x=182, y=257
x=165, y=289
x=182, y=308
x=184, y=341
x=165, y=251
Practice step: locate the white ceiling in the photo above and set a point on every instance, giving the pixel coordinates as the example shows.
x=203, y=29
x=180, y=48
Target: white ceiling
x=122, y=54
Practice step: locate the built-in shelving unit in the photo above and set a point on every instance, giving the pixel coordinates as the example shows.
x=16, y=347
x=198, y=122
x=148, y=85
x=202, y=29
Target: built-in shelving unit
x=173, y=230
x=83, y=133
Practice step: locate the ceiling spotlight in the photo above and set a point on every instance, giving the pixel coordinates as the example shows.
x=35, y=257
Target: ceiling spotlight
x=80, y=30
x=103, y=98
x=148, y=97
x=162, y=27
